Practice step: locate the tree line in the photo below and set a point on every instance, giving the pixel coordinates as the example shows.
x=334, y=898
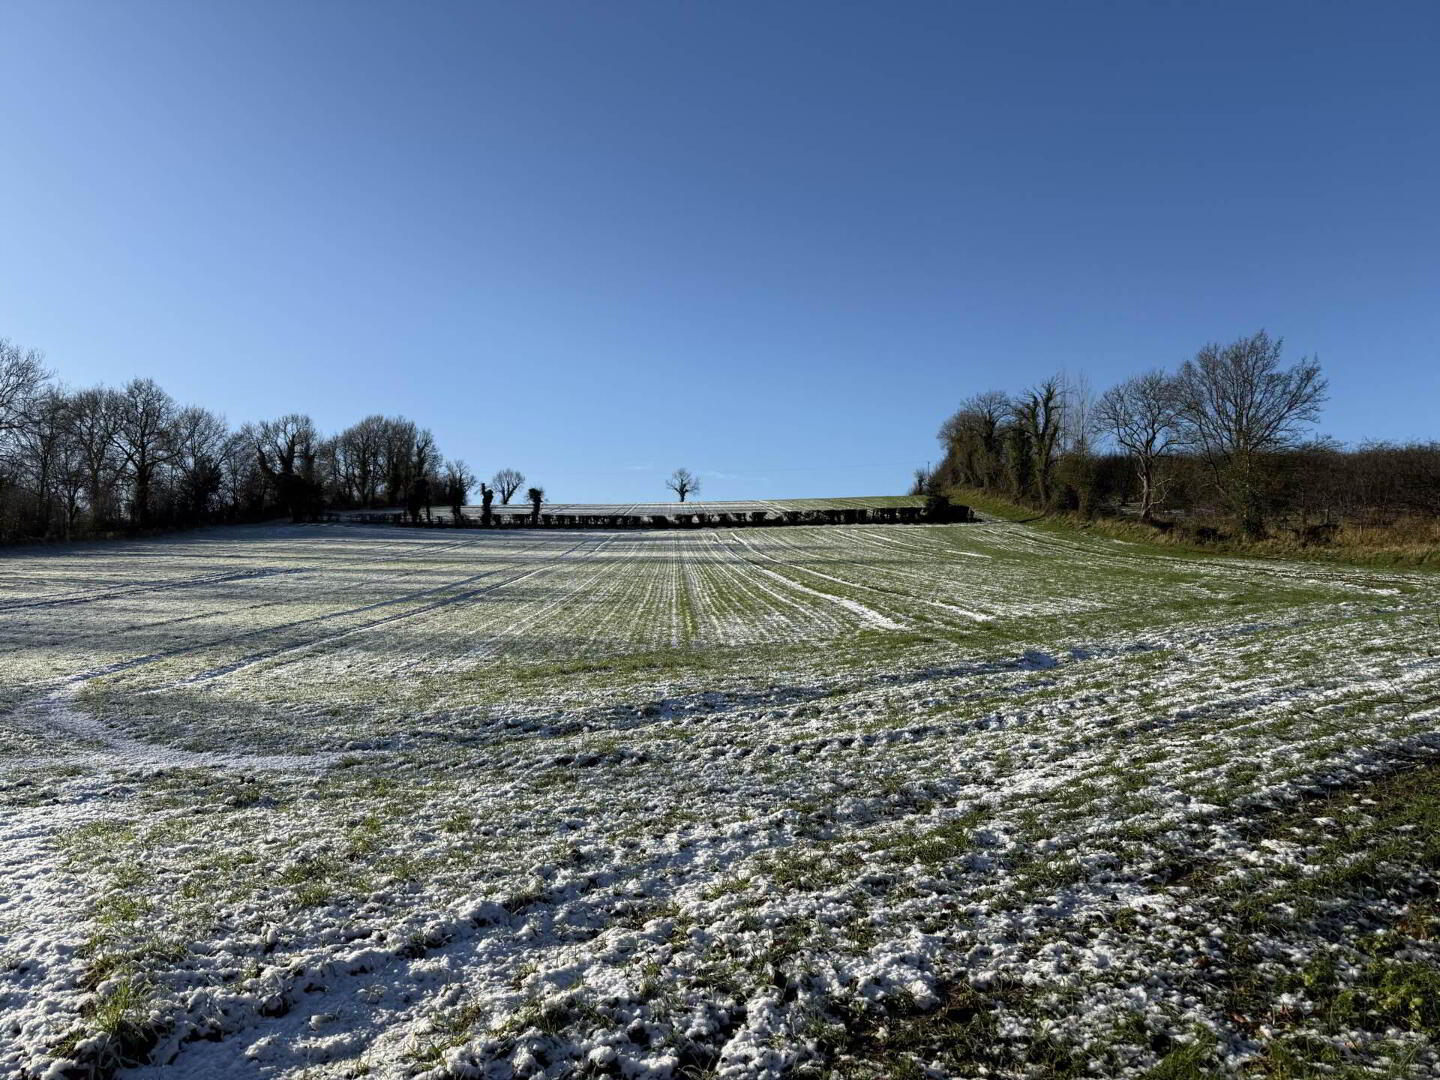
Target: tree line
x=1223, y=442
x=98, y=460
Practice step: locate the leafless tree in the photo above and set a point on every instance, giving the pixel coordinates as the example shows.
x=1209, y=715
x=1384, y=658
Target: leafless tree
x=1235, y=434
x=506, y=482
x=1076, y=480
x=1236, y=405
x=145, y=438
x=199, y=439
x=330, y=470
x=243, y=486
x=132, y=457
x=285, y=451
x=23, y=389
x=360, y=460
x=41, y=443
x=972, y=439
x=94, y=419
x=423, y=482
x=427, y=453
x=683, y=483
x=70, y=483
x=1141, y=415
x=458, y=481
x=1040, y=413
x=22, y=374
x=1078, y=422
x=398, y=458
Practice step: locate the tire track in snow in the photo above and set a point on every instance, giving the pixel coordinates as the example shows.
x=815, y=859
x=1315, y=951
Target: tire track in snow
x=140, y=588
x=286, y=600
x=289, y=650
x=170, y=654
x=526, y=620
x=55, y=709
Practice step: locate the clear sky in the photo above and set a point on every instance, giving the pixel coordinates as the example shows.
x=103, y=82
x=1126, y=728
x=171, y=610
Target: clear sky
x=773, y=242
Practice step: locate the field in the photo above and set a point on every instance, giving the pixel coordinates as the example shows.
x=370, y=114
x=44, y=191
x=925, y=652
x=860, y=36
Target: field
x=697, y=506
x=773, y=507
x=886, y=801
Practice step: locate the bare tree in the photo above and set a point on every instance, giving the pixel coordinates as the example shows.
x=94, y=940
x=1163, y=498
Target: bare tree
x=22, y=374
x=458, y=481
x=24, y=399
x=536, y=497
x=1040, y=413
x=360, y=459
x=1236, y=405
x=398, y=458
x=423, y=481
x=70, y=478
x=1141, y=415
x=41, y=441
x=683, y=483
x=1078, y=484
x=285, y=452
x=1078, y=423
x=144, y=436
x=94, y=419
x=973, y=441
x=242, y=483
x=506, y=482
x=199, y=453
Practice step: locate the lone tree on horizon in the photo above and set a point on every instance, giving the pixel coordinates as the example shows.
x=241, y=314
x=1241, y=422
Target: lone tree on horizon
x=536, y=495
x=683, y=482
x=507, y=482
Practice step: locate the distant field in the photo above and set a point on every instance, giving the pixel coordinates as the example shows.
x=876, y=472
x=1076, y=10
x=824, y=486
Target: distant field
x=851, y=801
x=742, y=506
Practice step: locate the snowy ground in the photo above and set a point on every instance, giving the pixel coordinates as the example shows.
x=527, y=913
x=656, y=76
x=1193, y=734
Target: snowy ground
x=889, y=801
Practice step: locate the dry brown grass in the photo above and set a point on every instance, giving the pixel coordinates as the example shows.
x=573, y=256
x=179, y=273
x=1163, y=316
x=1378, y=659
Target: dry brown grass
x=1401, y=541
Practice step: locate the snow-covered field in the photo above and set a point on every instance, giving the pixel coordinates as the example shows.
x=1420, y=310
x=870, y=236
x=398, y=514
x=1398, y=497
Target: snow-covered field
x=696, y=506
x=890, y=801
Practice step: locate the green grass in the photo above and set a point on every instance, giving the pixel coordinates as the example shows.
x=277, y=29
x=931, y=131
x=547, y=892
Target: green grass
x=935, y=847
x=474, y=799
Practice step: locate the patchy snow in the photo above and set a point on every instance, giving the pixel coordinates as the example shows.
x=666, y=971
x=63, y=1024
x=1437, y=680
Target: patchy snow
x=343, y=801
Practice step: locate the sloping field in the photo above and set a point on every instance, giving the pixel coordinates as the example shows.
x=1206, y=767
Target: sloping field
x=883, y=801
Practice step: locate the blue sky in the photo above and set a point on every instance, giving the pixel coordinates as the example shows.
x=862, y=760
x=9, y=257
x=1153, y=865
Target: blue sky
x=775, y=243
